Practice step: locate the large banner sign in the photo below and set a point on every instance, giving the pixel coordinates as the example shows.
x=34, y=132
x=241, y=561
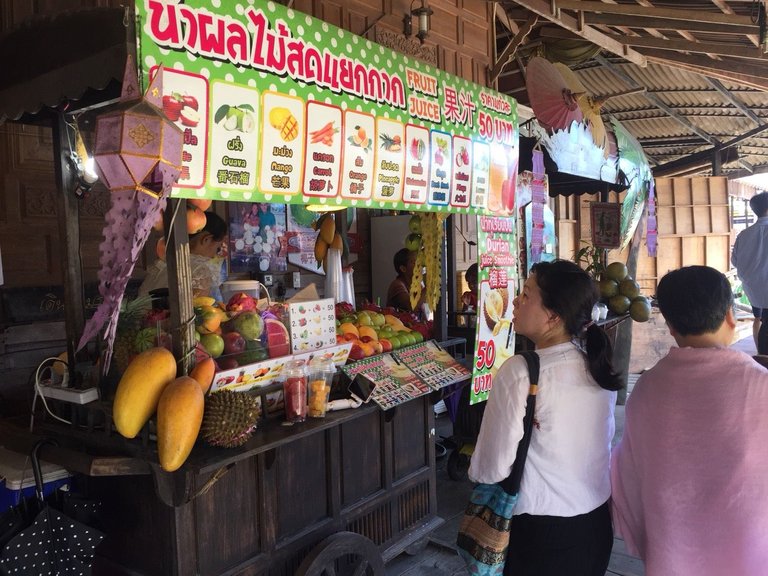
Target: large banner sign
x=279, y=107
x=497, y=284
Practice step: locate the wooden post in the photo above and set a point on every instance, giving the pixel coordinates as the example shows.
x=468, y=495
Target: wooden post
x=179, y=284
x=68, y=212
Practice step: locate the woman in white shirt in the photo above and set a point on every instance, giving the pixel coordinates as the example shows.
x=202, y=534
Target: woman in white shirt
x=562, y=524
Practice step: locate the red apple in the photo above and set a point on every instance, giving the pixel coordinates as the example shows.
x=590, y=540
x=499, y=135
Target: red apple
x=386, y=345
x=234, y=343
x=356, y=353
x=349, y=337
x=227, y=363
x=365, y=339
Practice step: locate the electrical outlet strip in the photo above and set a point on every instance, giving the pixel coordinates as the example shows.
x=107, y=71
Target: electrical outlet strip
x=70, y=394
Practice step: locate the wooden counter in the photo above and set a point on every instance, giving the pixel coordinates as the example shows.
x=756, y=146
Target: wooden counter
x=261, y=508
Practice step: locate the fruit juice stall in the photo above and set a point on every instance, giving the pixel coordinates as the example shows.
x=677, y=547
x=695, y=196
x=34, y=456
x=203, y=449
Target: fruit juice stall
x=272, y=106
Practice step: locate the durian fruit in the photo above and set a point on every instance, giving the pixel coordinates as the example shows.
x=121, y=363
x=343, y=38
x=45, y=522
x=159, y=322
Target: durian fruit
x=494, y=308
x=230, y=418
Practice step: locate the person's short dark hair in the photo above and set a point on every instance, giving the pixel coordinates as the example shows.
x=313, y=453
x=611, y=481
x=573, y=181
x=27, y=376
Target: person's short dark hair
x=759, y=204
x=401, y=259
x=694, y=299
x=471, y=273
x=215, y=226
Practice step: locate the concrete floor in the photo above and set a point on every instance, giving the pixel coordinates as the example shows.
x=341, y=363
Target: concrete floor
x=439, y=557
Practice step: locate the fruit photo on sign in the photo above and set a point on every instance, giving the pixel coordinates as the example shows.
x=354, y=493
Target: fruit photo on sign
x=360, y=138
x=181, y=107
x=324, y=135
x=418, y=149
x=238, y=118
x=390, y=143
x=282, y=120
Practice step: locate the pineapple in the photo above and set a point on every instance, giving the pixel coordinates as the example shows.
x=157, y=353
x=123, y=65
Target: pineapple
x=128, y=326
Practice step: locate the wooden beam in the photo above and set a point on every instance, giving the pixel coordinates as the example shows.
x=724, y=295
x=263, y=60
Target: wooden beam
x=509, y=51
x=637, y=10
x=668, y=24
x=656, y=100
x=544, y=9
x=68, y=217
x=503, y=17
x=752, y=75
x=733, y=50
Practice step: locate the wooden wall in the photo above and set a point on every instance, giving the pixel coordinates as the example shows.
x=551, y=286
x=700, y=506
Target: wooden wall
x=460, y=42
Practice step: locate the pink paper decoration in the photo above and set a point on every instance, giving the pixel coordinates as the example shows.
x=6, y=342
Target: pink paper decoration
x=138, y=152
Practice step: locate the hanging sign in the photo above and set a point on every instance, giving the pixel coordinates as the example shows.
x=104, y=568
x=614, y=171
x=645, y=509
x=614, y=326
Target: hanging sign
x=497, y=282
x=277, y=106
x=605, y=219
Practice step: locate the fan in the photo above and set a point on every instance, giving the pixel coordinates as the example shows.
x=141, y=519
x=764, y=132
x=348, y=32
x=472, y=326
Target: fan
x=553, y=102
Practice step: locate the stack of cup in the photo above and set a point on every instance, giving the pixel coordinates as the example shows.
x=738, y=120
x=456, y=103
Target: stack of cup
x=333, y=276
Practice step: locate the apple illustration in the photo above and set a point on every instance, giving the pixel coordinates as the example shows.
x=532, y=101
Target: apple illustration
x=190, y=101
x=172, y=105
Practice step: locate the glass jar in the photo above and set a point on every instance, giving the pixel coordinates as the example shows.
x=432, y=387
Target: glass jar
x=295, y=391
x=321, y=373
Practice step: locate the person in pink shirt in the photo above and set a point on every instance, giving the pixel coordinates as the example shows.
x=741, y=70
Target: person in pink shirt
x=689, y=478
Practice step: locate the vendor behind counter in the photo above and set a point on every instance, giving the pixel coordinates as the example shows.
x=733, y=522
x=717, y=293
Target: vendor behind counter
x=207, y=249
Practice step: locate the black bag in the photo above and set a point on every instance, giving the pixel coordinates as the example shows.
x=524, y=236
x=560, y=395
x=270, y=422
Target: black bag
x=51, y=544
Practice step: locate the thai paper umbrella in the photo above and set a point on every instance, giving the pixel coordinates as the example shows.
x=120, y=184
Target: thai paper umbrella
x=589, y=106
x=553, y=102
x=138, y=152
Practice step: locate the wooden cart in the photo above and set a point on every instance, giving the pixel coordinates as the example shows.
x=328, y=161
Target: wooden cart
x=351, y=491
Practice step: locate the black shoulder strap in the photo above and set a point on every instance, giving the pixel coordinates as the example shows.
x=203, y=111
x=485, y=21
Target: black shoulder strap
x=511, y=484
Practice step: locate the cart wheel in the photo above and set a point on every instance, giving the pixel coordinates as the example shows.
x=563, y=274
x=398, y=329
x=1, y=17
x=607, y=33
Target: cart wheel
x=343, y=554
x=458, y=466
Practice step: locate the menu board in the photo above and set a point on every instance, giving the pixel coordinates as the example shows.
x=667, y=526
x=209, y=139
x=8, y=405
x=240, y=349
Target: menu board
x=262, y=374
x=280, y=107
x=497, y=282
x=408, y=373
x=312, y=325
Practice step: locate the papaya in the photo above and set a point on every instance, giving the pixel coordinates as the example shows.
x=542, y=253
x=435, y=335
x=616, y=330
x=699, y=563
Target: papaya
x=203, y=372
x=328, y=229
x=321, y=249
x=179, y=417
x=139, y=389
x=337, y=242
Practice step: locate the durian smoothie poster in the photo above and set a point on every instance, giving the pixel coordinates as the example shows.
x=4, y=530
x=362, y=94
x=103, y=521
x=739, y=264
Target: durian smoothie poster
x=497, y=282
x=279, y=107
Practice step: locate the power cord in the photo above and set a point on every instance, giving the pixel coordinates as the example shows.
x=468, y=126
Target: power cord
x=39, y=391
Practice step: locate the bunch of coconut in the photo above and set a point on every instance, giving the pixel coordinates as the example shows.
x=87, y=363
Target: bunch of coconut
x=622, y=294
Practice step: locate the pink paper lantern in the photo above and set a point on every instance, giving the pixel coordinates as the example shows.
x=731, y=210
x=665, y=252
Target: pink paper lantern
x=133, y=143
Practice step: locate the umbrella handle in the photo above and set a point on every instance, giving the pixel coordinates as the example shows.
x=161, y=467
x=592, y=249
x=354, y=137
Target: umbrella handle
x=36, y=467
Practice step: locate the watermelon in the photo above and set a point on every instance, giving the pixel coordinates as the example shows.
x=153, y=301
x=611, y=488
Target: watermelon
x=278, y=339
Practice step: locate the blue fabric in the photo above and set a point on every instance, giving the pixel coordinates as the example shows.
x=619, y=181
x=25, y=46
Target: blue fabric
x=484, y=534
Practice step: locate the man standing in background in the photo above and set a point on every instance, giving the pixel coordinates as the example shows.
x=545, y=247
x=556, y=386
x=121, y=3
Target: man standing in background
x=750, y=256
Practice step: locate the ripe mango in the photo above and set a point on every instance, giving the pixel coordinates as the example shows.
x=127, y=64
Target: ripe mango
x=328, y=229
x=203, y=373
x=179, y=417
x=139, y=390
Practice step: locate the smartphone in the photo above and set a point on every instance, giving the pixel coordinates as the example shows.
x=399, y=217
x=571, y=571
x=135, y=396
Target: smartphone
x=361, y=388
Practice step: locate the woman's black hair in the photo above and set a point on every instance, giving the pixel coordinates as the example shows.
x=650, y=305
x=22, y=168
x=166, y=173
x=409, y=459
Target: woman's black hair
x=570, y=292
x=214, y=225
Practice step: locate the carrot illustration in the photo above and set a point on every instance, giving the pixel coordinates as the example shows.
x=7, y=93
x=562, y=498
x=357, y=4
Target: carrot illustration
x=323, y=134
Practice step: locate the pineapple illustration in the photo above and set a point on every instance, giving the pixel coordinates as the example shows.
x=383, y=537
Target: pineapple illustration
x=391, y=143
x=282, y=120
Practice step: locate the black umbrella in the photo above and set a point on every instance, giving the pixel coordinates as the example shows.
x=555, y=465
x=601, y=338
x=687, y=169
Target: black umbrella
x=52, y=544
